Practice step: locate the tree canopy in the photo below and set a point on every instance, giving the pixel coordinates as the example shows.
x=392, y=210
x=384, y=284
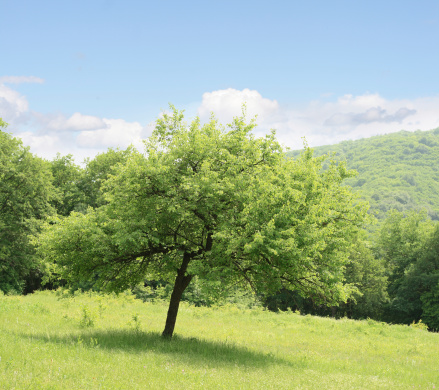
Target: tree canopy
x=25, y=194
x=66, y=180
x=408, y=244
x=217, y=203
x=78, y=188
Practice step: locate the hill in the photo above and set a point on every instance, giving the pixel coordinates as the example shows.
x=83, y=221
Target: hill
x=92, y=341
x=395, y=171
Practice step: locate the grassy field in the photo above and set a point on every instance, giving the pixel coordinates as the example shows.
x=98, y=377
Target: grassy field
x=109, y=342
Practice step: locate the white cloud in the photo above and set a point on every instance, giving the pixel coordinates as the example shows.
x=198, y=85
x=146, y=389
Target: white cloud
x=13, y=106
x=117, y=133
x=47, y=134
x=77, y=122
x=227, y=103
x=48, y=145
x=87, y=143
x=361, y=101
x=320, y=121
x=20, y=79
x=41, y=143
x=323, y=122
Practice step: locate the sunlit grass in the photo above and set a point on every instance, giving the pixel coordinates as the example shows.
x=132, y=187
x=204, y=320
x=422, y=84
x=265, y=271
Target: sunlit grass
x=108, y=342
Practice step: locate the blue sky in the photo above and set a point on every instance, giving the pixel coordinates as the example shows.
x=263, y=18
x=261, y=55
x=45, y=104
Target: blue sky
x=81, y=76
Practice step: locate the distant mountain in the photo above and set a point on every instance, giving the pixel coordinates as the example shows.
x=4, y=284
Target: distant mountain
x=395, y=171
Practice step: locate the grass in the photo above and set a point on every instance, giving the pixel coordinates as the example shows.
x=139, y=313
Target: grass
x=109, y=342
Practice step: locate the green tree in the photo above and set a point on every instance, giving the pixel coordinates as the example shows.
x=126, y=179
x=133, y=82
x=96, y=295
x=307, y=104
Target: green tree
x=97, y=171
x=430, y=307
x=368, y=274
x=363, y=271
x=25, y=194
x=404, y=240
x=218, y=204
x=424, y=277
x=67, y=178
x=78, y=188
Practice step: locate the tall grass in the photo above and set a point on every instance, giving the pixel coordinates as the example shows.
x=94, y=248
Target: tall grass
x=109, y=342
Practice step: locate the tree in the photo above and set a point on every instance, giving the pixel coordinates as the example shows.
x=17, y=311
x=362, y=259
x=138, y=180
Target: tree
x=423, y=278
x=67, y=177
x=219, y=204
x=364, y=271
x=25, y=194
x=368, y=274
x=97, y=171
x=78, y=188
x=406, y=245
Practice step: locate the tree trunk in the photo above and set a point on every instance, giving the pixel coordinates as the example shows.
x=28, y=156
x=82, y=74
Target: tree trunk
x=181, y=282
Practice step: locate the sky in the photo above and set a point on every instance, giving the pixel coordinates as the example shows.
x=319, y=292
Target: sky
x=78, y=77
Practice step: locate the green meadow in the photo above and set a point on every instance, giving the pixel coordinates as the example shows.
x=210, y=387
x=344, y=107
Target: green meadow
x=91, y=341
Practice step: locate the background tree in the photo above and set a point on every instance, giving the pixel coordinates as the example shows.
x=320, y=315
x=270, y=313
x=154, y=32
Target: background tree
x=407, y=249
x=25, y=194
x=218, y=204
x=97, y=171
x=421, y=283
x=78, y=188
x=67, y=179
x=368, y=274
x=364, y=271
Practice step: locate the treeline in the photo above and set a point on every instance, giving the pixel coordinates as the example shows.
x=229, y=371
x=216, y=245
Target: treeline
x=396, y=272
x=33, y=190
x=393, y=273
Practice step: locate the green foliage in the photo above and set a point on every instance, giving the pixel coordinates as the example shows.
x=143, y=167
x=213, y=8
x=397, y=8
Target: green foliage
x=78, y=188
x=135, y=323
x=67, y=177
x=419, y=325
x=430, y=307
x=25, y=195
x=97, y=171
x=397, y=171
x=426, y=273
x=408, y=244
x=88, y=318
x=217, y=204
x=364, y=271
x=400, y=240
x=368, y=274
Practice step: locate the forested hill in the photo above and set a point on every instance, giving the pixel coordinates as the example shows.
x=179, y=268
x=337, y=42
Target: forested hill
x=395, y=171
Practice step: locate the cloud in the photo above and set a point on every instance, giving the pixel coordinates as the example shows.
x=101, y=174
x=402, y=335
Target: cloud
x=48, y=145
x=78, y=134
x=373, y=114
x=41, y=142
x=117, y=133
x=20, y=79
x=325, y=122
x=77, y=122
x=361, y=101
x=13, y=106
x=227, y=103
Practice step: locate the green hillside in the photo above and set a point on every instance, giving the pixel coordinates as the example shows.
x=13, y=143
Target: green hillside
x=395, y=171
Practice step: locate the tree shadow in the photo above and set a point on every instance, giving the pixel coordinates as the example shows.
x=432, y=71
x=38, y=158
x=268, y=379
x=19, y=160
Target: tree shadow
x=194, y=350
